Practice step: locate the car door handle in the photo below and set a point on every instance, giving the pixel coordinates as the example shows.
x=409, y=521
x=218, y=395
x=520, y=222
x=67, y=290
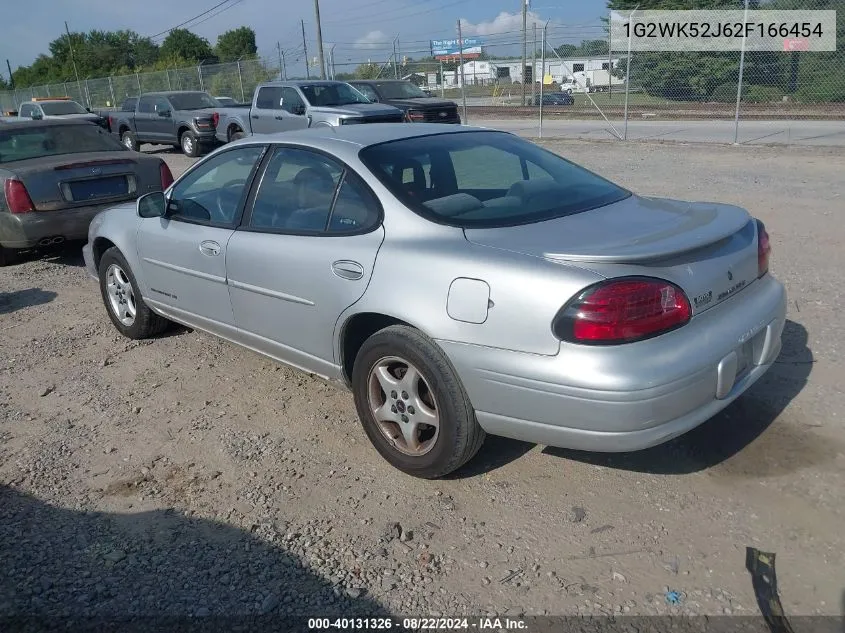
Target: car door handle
x=210, y=248
x=346, y=269
x=279, y=117
x=255, y=116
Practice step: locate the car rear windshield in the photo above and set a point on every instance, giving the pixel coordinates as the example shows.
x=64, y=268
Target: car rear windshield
x=399, y=90
x=486, y=179
x=55, y=108
x=23, y=143
x=192, y=101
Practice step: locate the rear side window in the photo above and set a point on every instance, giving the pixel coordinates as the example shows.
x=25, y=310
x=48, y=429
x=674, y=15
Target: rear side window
x=290, y=100
x=54, y=140
x=145, y=104
x=486, y=179
x=269, y=98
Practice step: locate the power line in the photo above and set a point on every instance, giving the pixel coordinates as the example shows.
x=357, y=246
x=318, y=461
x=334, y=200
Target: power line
x=191, y=20
x=236, y=2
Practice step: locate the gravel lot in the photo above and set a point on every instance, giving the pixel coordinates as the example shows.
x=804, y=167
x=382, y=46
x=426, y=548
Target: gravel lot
x=188, y=477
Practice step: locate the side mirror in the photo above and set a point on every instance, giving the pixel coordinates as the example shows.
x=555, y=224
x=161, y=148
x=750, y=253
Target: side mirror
x=164, y=113
x=298, y=110
x=152, y=205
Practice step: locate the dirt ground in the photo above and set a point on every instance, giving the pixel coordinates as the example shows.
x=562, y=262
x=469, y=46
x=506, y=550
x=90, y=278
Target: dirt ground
x=184, y=475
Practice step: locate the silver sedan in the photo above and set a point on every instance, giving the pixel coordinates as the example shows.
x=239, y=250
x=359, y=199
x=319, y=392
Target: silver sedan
x=459, y=281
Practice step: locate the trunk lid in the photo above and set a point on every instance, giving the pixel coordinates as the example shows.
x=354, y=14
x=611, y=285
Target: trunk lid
x=708, y=249
x=78, y=180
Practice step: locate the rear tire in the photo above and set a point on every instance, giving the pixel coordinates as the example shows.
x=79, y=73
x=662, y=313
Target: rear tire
x=237, y=136
x=189, y=144
x=432, y=410
x=130, y=140
x=122, y=296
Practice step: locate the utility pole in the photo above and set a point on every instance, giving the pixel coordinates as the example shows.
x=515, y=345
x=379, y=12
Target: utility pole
x=73, y=61
x=461, y=62
x=305, y=50
x=319, y=40
x=610, y=56
x=11, y=77
x=534, y=67
x=524, y=35
x=282, y=65
x=395, y=68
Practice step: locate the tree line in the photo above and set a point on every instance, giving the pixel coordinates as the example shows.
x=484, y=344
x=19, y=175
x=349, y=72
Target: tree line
x=105, y=53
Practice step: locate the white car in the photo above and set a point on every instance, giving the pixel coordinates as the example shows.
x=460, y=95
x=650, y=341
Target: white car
x=56, y=108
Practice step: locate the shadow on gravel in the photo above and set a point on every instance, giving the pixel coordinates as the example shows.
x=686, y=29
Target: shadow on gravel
x=66, y=254
x=494, y=454
x=19, y=299
x=738, y=442
x=151, y=571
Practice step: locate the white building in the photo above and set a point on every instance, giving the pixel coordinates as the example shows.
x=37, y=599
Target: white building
x=506, y=71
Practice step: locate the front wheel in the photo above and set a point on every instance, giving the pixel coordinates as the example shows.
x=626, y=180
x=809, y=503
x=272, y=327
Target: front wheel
x=412, y=405
x=190, y=146
x=130, y=140
x=127, y=310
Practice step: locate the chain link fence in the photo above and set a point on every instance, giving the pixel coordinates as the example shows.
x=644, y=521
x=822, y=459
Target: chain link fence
x=610, y=93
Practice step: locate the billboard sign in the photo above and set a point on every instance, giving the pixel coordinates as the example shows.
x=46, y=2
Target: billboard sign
x=450, y=49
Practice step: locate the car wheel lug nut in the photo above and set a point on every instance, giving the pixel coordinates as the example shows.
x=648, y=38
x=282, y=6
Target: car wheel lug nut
x=404, y=395
x=411, y=410
x=393, y=409
x=404, y=418
x=393, y=395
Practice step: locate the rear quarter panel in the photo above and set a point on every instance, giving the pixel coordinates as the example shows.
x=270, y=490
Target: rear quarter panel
x=414, y=281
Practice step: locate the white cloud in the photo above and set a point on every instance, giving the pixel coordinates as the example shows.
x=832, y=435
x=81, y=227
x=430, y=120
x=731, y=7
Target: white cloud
x=503, y=23
x=373, y=39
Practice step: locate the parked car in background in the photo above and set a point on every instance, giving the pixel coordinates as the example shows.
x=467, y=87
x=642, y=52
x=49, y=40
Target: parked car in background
x=555, y=307
x=408, y=97
x=179, y=118
x=282, y=106
x=57, y=174
x=225, y=101
x=554, y=98
x=58, y=108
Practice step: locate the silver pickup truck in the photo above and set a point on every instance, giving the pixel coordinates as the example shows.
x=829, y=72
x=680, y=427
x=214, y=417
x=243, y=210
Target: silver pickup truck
x=280, y=106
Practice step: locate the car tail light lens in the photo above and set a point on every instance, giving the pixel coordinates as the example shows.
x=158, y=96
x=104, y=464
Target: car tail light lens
x=414, y=117
x=764, y=249
x=215, y=119
x=17, y=197
x=622, y=311
x=166, y=175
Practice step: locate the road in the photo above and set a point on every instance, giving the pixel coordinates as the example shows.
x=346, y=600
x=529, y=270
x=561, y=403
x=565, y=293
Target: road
x=188, y=477
x=809, y=133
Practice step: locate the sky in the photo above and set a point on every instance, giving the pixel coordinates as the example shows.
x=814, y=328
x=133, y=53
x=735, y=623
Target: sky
x=360, y=30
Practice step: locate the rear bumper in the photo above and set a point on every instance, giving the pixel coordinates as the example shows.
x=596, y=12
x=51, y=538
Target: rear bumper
x=629, y=397
x=26, y=230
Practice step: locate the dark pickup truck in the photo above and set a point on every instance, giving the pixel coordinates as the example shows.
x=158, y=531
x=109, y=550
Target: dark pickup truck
x=408, y=97
x=179, y=118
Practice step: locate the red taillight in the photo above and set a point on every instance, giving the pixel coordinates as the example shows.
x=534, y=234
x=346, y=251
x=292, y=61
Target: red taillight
x=215, y=119
x=622, y=311
x=17, y=197
x=764, y=249
x=166, y=176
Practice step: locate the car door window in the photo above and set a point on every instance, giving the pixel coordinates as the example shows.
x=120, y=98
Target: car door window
x=269, y=98
x=213, y=192
x=26, y=110
x=356, y=208
x=145, y=104
x=162, y=105
x=367, y=91
x=291, y=101
x=296, y=192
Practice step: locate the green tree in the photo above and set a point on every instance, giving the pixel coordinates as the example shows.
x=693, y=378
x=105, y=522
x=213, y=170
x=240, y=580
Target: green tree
x=236, y=44
x=367, y=71
x=182, y=44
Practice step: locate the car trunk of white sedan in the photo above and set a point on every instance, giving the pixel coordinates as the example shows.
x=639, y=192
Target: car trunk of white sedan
x=709, y=250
